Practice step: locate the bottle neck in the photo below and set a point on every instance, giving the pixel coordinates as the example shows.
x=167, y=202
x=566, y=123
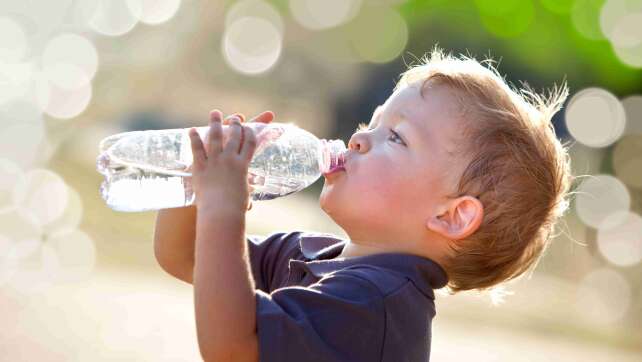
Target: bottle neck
x=332, y=155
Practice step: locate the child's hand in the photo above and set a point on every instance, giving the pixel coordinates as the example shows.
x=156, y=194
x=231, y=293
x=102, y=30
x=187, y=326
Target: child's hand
x=219, y=171
x=263, y=117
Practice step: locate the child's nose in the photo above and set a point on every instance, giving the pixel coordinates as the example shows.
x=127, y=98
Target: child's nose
x=358, y=142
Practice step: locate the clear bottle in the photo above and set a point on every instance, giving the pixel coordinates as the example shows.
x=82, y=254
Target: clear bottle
x=149, y=170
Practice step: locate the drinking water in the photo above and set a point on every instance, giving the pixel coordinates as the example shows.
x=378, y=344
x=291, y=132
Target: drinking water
x=149, y=170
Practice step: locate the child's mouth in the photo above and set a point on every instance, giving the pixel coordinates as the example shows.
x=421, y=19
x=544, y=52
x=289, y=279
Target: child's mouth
x=334, y=170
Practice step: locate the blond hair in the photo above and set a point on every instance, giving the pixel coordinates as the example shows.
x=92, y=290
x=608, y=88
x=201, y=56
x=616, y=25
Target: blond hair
x=517, y=168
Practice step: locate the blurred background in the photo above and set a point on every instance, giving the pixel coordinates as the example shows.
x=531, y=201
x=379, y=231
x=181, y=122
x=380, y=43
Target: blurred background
x=79, y=281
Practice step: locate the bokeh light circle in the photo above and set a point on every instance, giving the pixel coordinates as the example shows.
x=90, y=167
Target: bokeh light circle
x=627, y=33
x=115, y=17
x=585, y=16
x=15, y=81
x=252, y=45
x=620, y=22
x=595, y=117
x=10, y=175
x=627, y=160
x=6, y=270
x=631, y=56
x=72, y=215
x=599, y=197
x=620, y=241
x=22, y=131
x=75, y=254
x=29, y=262
x=324, y=14
x=40, y=20
x=383, y=42
x=13, y=41
x=14, y=226
x=42, y=197
x=70, y=61
x=255, y=9
x=158, y=11
x=81, y=14
x=59, y=102
x=603, y=296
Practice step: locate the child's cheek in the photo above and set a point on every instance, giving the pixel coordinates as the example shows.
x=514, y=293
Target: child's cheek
x=380, y=185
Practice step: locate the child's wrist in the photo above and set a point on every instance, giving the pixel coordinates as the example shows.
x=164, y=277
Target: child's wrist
x=214, y=211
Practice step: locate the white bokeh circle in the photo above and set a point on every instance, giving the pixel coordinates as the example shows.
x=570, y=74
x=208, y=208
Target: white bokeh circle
x=252, y=45
x=595, y=117
x=70, y=61
x=115, y=17
x=75, y=254
x=41, y=197
x=155, y=12
x=600, y=196
x=603, y=296
x=13, y=41
x=22, y=131
x=324, y=14
x=62, y=103
x=619, y=240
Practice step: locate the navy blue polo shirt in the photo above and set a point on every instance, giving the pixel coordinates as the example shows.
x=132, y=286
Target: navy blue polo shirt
x=313, y=307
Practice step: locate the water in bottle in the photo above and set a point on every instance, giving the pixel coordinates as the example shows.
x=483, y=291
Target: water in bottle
x=149, y=170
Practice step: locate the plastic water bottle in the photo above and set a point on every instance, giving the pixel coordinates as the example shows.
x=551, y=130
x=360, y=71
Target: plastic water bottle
x=149, y=170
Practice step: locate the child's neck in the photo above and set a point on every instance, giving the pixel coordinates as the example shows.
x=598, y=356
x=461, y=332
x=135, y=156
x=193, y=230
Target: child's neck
x=353, y=249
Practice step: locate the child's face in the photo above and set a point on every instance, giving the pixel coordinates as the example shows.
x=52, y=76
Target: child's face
x=393, y=183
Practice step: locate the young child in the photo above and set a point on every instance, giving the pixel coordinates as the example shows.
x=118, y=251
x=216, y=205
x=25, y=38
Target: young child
x=457, y=182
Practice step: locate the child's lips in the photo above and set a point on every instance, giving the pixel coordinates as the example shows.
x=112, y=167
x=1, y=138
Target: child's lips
x=341, y=167
x=334, y=171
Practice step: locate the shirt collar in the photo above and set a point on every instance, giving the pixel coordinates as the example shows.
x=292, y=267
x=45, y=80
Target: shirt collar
x=320, y=249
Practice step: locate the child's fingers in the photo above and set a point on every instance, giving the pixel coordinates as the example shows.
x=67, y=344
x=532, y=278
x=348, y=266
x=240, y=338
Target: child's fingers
x=229, y=118
x=264, y=117
x=234, y=140
x=249, y=144
x=198, y=151
x=215, y=132
x=216, y=113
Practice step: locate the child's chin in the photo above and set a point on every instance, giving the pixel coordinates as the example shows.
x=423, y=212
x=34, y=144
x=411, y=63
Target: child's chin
x=327, y=196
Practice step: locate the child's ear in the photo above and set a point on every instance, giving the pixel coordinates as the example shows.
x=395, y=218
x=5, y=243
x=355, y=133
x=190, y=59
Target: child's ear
x=459, y=219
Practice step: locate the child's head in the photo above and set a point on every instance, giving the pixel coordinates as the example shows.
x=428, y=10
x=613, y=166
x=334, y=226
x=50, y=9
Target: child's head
x=458, y=167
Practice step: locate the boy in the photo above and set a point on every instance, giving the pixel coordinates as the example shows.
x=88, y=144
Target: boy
x=457, y=181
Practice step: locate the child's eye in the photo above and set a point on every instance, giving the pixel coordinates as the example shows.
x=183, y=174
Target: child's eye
x=397, y=135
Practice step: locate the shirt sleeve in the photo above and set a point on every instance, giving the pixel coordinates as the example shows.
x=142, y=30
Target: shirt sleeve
x=269, y=257
x=339, y=318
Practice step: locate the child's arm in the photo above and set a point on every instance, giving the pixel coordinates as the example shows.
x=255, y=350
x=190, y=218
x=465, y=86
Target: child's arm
x=175, y=229
x=174, y=236
x=224, y=296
